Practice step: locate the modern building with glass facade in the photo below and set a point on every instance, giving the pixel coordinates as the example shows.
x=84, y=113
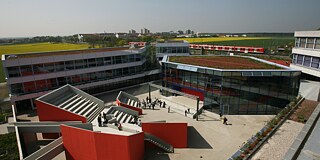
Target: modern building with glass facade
x=32, y=75
x=228, y=84
x=306, y=53
x=172, y=48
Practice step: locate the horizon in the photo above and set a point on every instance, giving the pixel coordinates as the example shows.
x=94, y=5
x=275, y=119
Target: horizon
x=59, y=18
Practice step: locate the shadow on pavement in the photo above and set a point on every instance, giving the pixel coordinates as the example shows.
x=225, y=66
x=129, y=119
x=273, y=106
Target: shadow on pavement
x=195, y=140
x=155, y=154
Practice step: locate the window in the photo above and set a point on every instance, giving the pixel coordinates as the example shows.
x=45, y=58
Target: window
x=310, y=42
x=29, y=87
x=48, y=67
x=307, y=61
x=317, y=43
x=52, y=83
x=59, y=66
x=131, y=58
x=14, y=71
x=302, y=42
x=125, y=59
x=299, y=59
x=92, y=62
x=125, y=71
x=26, y=70
x=315, y=62
x=107, y=60
x=79, y=64
x=16, y=88
x=38, y=68
x=100, y=62
x=62, y=81
x=138, y=57
x=41, y=85
x=297, y=42
x=69, y=65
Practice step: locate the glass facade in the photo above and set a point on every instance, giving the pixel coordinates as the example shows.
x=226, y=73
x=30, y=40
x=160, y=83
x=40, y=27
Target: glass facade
x=307, y=42
x=306, y=61
x=44, y=68
x=236, y=92
x=53, y=83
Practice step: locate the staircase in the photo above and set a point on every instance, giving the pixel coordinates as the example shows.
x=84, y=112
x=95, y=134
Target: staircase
x=158, y=142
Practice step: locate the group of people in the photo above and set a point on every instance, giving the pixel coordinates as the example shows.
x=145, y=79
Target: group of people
x=105, y=120
x=149, y=104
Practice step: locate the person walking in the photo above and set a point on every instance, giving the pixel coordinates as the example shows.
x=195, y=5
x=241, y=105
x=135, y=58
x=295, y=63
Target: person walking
x=185, y=112
x=164, y=104
x=169, y=109
x=225, y=121
x=99, y=120
x=147, y=99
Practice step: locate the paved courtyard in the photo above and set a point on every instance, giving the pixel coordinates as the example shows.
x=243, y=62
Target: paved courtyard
x=207, y=138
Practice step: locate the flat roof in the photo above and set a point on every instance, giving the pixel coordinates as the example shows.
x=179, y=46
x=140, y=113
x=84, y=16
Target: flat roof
x=51, y=53
x=223, y=62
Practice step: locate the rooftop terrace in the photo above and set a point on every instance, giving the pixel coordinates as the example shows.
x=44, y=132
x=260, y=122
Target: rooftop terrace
x=223, y=62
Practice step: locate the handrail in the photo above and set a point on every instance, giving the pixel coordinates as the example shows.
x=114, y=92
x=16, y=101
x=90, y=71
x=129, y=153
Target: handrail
x=159, y=142
x=49, y=151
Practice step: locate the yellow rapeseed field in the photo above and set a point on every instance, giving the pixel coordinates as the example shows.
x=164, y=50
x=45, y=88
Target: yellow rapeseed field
x=39, y=47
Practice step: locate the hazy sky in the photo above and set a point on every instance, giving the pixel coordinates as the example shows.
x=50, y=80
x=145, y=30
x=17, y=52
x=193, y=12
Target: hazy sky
x=20, y=18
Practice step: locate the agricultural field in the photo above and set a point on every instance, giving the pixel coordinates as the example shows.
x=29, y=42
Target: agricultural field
x=218, y=39
x=36, y=47
x=265, y=42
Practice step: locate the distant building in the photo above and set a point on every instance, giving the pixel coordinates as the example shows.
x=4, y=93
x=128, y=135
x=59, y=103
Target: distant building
x=188, y=31
x=179, y=32
x=132, y=31
x=306, y=53
x=121, y=35
x=172, y=48
x=145, y=31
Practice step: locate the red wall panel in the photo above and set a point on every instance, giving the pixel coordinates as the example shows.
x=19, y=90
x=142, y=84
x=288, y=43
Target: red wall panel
x=118, y=147
x=79, y=144
x=47, y=112
x=193, y=92
x=128, y=106
x=84, y=144
x=173, y=133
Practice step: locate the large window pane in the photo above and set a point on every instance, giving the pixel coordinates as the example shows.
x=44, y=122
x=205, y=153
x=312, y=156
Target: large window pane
x=48, y=67
x=315, y=62
x=26, y=70
x=310, y=42
x=14, y=71
x=302, y=42
x=100, y=62
x=79, y=64
x=317, y=43
x=300, y=59
x=38, y=68
x=59, y=66
x=92, y=62
x=307, y=61
x=69, y=65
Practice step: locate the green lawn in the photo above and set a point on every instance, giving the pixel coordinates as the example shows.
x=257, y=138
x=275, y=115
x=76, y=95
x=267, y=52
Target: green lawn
x=219, y=39
x=36, y=47
x=9, y=147
x=265, y=43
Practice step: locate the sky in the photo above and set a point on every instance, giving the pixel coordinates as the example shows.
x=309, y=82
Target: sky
x=25, y=18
